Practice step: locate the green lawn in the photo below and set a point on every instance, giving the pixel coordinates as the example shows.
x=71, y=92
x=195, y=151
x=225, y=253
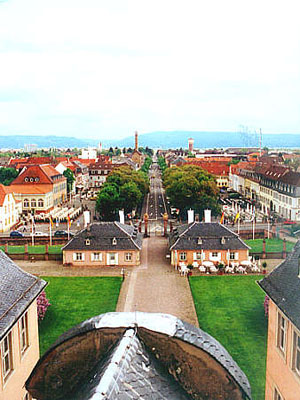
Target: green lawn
x=75, y=299
x=55, y=249
x=230, y=308
x=37, y=249
x=271, y=245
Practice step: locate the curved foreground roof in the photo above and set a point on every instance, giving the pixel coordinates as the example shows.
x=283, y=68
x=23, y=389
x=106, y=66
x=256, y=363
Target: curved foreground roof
x=137, y=355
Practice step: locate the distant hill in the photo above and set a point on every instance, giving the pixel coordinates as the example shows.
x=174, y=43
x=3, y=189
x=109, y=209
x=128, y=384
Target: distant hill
x=177, y=139
x=159, y=139
x=18, y=141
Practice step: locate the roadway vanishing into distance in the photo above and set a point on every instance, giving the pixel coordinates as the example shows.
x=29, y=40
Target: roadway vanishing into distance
x=155, y=204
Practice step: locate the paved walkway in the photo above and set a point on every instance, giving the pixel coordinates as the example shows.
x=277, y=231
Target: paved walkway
x=155, y=287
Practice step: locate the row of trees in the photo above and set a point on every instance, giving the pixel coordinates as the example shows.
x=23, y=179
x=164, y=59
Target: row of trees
x=123, y=189
x=189, y=186
x=162, y=163
x=116, y=151
x=147, y=164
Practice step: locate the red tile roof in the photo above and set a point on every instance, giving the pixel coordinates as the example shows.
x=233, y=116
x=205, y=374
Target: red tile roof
x=215, y=167
x=31, y=189
x=38, y=174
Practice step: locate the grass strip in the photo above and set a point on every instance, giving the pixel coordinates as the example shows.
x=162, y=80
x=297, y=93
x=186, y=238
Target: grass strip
x=230, y=308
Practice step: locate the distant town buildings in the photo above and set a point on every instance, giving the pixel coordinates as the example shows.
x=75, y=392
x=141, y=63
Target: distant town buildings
x=30, y=148
x=88, y=154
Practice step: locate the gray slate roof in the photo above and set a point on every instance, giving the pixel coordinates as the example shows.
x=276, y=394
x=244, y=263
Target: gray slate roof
x=18, y=289
x=101, y=235
x=146, y=356
x=282, y=285
x=186, y=237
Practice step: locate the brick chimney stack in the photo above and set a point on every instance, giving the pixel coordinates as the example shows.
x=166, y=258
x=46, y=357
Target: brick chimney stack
x=136, y=141
x=191, y=145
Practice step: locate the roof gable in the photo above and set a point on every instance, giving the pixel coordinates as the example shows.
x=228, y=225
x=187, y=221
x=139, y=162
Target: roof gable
x=282, y=285
x=106, y=236
x=186, y=237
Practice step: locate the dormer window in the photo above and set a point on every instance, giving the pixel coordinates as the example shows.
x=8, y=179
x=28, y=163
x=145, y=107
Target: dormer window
x=87, y=242
x=200, y=240
x=114, y=241
x=223, y=240
x=26, y=179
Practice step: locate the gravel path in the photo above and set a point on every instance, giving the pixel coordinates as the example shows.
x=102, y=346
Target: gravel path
x=156, y=287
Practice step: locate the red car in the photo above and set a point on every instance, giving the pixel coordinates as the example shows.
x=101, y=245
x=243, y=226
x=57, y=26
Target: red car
x=289, y=222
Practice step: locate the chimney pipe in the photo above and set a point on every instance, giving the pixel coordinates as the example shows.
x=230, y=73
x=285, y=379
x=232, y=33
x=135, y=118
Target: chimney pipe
x=190, y=216
x=207, y=216
x=122, y=217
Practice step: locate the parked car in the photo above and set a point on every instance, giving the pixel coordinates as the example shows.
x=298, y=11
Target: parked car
x=38, y=233
x=63, y=234
x=16, y=234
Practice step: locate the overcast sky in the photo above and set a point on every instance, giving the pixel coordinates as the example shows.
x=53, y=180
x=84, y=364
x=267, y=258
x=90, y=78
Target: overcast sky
x=105, y=68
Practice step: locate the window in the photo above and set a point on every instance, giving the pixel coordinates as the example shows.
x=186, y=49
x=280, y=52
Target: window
x=6, y=356
x=33, y=203
x=198, y=255
x=26, y=203
x=40, y=203
x=277, y=395
x=232, y=256
x=23, y=332
x=214, y=254
x=296, y=353
x=97, y=257
x=128, y=256
x=281, y=333
x=182, y=256
x=78, y=257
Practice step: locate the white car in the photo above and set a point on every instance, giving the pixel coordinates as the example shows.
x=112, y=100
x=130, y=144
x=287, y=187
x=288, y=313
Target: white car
x=38, y=233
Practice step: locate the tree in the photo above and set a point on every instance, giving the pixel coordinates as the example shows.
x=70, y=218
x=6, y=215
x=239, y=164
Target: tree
x=162, y=163
x=190, y=186
x=7, y=175
x=124, y=189
x=130, y=196
x=108, y=202
x=147, y=164
x=70, y=179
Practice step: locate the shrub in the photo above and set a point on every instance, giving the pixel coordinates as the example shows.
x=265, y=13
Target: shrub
x=266, y=305
x=42, y=305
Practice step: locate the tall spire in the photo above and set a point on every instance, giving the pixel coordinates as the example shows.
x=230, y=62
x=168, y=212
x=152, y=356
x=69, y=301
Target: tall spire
x=136, y=141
